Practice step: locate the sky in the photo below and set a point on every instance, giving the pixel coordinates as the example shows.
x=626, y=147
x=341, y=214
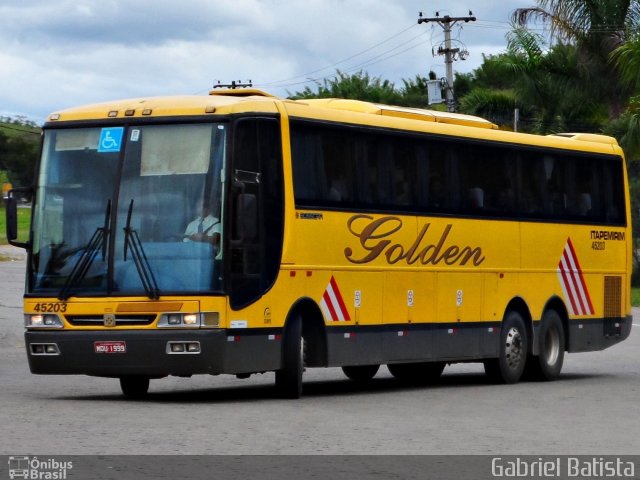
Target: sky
x=62, y=53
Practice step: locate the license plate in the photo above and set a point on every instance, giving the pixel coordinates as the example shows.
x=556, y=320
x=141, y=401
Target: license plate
x=110, y=347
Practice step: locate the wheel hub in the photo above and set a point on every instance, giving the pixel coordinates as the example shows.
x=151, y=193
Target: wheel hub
x=513, y=348
x=551, y=346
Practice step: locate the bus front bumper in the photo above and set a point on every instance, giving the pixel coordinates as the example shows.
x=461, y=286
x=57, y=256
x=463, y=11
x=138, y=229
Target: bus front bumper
x=151, y=352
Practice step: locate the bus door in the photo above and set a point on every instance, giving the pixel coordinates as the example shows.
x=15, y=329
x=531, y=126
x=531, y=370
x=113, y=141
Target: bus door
x=257, y=216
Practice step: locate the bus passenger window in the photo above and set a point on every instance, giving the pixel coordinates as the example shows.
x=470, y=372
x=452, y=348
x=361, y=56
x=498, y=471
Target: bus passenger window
x=336, y=186
x=338, y=165
x=533, y=188
x=371, y=182
x=584, y=204
x=436, y=192
x=401, y=175
x=476, y=198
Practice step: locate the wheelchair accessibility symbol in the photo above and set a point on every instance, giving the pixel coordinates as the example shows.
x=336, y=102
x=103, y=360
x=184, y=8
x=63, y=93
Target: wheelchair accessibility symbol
x=110, y=139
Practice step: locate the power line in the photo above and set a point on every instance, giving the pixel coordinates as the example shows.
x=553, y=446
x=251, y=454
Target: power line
x=386, y=55
x=372, y=61
x=333, y=66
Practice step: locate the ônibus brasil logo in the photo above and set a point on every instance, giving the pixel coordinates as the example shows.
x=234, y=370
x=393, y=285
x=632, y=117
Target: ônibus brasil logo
x=38, y=469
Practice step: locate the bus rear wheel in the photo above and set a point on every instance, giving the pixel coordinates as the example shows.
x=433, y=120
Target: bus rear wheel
x=360, y=373
x=289, y=377
x=510, y=364
x=423, y=372
x=134, y=386
x=551, y=345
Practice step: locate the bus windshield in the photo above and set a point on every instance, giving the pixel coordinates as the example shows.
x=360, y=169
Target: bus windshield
x=129, y=210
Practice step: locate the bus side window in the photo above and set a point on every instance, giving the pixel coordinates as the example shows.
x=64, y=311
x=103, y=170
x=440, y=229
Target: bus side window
x=587, y=198
x=308, y=165
x=404, y=173
x=438, y=178
x=555, y=193
x=533, y=186
x=613, y=197
x=370, y=179
x=339, y=167
x=472, y=170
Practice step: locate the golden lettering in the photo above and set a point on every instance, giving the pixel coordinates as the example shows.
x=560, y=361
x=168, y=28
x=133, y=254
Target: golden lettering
x=369, y=233
x=374, y=237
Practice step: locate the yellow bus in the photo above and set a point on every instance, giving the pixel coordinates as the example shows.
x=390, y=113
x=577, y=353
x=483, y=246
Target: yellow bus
x=238, y=233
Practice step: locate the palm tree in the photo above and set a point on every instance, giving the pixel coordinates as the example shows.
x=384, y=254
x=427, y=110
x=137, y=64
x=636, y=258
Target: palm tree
x=495, y=105
x=596, y=28
x=541, y=84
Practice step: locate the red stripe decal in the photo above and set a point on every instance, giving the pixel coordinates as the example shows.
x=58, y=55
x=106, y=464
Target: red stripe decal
x=343, y=307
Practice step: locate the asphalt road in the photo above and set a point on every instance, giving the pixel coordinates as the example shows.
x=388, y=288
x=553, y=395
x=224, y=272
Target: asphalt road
x=592, y=409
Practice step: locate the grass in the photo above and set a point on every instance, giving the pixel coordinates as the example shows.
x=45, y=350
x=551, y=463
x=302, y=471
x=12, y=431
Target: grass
x=24, y=218
x=635, y=296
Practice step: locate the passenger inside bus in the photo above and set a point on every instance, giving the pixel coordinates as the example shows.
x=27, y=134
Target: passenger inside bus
x=337, y=187
x=436, y=192
x=476, y=198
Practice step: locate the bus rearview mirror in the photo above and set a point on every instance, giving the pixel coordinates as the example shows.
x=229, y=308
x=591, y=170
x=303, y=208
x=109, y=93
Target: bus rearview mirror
x=12, y=217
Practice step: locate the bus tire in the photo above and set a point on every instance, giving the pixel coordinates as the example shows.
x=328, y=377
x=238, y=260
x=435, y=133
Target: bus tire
x=423, y=372
x=509, y=366
x=547, y=364
x=289, y=377
x=134, y=386
x=360, y=373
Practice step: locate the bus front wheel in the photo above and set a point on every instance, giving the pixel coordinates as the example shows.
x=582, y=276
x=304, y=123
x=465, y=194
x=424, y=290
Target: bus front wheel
x=551, y=344
x=289, y=377
x=509, y=366
x=134, y=386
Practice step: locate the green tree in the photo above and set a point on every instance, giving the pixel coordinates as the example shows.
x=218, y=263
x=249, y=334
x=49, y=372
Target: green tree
x=462, y=84
x=627, y=60
x=414, y=92
x=491, y=74
x=495, y=105
x=596, y=28
x=357, y=86
x=18, y=157
x=543, y=83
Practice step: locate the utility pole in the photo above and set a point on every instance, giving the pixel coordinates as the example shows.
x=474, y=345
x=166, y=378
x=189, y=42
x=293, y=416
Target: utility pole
x=449, y=53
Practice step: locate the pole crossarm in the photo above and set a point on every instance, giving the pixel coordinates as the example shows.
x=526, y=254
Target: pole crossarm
x=447, y=19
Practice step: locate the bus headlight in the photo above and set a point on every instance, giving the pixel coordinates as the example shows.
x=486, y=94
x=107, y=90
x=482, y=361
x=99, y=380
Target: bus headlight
x=191, y=319
x=39, y=320
x=185, y=320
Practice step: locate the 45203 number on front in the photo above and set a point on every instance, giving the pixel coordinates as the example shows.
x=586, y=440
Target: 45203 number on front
x=52, y=307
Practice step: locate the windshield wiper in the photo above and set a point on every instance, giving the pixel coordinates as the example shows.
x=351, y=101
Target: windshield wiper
x=98, y=240
x=132, y=241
